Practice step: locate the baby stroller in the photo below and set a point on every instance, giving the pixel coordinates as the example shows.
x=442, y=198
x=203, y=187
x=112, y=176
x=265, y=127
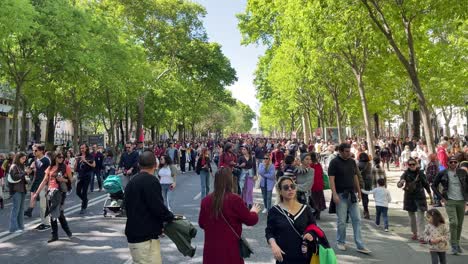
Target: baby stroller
x=114, y=203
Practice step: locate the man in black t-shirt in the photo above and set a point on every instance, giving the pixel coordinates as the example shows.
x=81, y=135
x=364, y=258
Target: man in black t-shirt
x=344, y=184
x=84, y=166
x=39, y=166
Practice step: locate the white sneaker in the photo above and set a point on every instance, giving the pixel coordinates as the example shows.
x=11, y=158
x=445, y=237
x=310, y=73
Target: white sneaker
x=386, y=229
x=364, y=250
x=264, y=211
x=19, y=231
x=341, y=246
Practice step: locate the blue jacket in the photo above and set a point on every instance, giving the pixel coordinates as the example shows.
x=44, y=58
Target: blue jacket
x=268, y=176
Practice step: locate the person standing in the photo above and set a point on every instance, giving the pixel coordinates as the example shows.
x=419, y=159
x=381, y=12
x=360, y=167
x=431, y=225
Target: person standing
x=442, y=155
x=18, y=191
x=146, y=213
x=204, y=170
x=382, y=198
x=85, y=165
x=183, y=157
x=228, y=160
x=343, y=184
x=39, y=166
x=58, y=178
x=436, y=235
x=454, y=182
x=222, y=214
x=266, y=170
x=366, y=171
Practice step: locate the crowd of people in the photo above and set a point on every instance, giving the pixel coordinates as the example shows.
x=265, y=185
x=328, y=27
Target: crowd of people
x=298, y=172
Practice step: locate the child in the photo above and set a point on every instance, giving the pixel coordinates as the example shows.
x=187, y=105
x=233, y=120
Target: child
x=436, y=234
x=382, y=198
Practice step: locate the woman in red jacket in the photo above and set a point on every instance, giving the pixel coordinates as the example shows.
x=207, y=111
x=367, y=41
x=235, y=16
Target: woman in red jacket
x=317, y=200
x=219, y=210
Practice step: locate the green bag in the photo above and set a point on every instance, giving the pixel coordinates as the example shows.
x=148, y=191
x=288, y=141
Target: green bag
x=326, y=182
x=327, y=255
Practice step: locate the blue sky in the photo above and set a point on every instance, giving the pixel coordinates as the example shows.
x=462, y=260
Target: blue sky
x=221, y=26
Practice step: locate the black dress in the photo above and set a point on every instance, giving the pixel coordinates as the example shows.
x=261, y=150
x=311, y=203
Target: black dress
x=287, y=239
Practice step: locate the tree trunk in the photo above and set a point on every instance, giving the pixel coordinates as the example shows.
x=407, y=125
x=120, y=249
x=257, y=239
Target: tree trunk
x=140, y=117
x=122, y=133
x=377, y=127
x=338, y=117
x=365, y=112
x=16, y=106
x=50, y=134
x=127, y=134
x=24, y=125
x=306, y=127
x=447, y=119
x=37, y=128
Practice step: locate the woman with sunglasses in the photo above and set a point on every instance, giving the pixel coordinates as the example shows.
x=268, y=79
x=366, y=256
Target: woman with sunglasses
x=414, y=202
x=58, y=178
x=287, y=224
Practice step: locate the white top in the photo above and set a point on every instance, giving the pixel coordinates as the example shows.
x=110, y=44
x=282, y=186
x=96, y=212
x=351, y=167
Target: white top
x=381, y=196
x=165, y=175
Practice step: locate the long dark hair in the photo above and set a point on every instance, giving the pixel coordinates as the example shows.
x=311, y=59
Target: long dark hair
x=62, y=167
x=167, y=161
x=222, y=185
x=17, y=158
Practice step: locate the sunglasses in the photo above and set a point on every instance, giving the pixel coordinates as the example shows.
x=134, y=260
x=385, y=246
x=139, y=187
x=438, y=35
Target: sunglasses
x=60, y=157
x=411, y=164
x=286, y=187
x=453, y=162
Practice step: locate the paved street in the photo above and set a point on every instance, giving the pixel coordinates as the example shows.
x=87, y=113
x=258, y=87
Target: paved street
x=101, y=240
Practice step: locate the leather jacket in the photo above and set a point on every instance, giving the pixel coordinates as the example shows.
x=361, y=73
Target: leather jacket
x=442, y=178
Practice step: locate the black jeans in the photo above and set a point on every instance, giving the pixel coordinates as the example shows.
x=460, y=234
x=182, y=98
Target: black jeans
x=365, y=202
x=98, y=174
x=438, y=257
x=82, y=188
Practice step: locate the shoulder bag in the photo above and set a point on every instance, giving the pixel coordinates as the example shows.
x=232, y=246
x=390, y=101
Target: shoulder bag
x=410, y=187
x=244, y=247
x=10, y=179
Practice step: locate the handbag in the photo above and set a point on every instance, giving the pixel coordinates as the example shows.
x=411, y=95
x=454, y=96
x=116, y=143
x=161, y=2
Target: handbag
x=410, y=187
x=244, y=247
x=326, y=181
x=326, y=255
x=10, y=179
x=315, y=259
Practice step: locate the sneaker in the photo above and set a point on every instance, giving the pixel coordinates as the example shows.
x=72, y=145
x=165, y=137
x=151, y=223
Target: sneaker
x=364, y=250
x=19, y=231
x=414, y=237
x=82, y=211
x=52, y=239
x=39, y=227
x=69, y=235
x=264, y=211
x=43, y=228
x=341, y=247
x=386, y=229
x=455, y=250
x=460, y=250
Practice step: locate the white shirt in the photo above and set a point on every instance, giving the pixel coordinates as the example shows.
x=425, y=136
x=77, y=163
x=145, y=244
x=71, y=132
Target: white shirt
x=381, y=196
x=165, y=175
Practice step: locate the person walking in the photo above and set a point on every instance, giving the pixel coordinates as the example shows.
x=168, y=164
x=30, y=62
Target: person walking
x=183, y=157
x=85, y=168
x=222, y=214
x=39, y=166
x=97, y=173
x=432, y=169
x=378, y=172
x=414, y=202
x=266, y=170
x=287, y=224
x=304, y=178
x=58, y=178
x=167, y=173
x=146, y=213
x=18, y=193
x=317, y=197
x=454, y=183
x=248, y=175
x=228, y=160
x=436, y=235
x=382, y=198
x=344, y=181
x=366, y=171
x=277, y=157
x=205, y=171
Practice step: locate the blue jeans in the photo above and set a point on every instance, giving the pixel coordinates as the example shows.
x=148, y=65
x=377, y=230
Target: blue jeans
x=16, y=215
x=342, y=209
x=266, y=197
x=384, y=211
x=243, y=176
x=98, y=175
x=167, y=195
x=205, y=183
